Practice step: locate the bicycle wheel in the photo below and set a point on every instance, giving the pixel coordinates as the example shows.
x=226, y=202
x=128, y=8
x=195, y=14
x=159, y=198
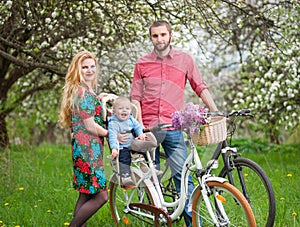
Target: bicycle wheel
x=120, y=201
x=222, y=197
x=257, y=189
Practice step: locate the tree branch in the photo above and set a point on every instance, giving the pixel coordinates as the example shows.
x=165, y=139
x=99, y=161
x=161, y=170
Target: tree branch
x=30, y=64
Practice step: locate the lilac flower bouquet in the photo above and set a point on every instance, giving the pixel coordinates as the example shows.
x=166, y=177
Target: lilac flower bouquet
x=191, y=118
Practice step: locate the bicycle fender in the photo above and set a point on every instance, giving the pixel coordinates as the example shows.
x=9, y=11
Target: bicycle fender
x=218, y=179
x=211, y=178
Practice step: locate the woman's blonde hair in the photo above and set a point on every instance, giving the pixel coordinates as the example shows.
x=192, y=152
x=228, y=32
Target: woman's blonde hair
x=73, y=80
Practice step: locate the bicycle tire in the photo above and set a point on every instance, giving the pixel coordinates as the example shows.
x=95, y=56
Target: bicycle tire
x=234, y=203
x=118, y=202
x=260, y=190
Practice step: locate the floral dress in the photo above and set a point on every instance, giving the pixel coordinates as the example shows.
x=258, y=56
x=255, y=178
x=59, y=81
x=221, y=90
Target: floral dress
x=87, y=149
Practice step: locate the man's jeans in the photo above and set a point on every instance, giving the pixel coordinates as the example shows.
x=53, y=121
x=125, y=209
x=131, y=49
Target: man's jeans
x=175, y=148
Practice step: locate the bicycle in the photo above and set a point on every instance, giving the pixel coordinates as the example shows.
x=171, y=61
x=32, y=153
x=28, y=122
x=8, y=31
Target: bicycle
x=213, y=202
x=243, y=173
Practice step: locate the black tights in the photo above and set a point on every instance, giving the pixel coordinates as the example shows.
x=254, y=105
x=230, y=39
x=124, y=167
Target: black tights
x=86, y=206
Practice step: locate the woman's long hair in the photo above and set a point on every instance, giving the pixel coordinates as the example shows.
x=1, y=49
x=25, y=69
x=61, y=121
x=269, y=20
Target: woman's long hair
x=73, y=80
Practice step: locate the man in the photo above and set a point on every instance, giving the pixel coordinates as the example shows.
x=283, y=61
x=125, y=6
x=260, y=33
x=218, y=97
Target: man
x=158, y=90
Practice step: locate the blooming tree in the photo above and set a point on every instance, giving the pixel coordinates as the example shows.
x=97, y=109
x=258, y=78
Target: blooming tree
x=270, y=77
x=39, y=38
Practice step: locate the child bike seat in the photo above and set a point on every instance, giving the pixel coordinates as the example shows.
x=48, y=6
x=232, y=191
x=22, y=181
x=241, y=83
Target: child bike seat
x=142, y=145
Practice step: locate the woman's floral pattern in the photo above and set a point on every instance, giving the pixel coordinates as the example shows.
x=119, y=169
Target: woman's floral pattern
x=87, y=149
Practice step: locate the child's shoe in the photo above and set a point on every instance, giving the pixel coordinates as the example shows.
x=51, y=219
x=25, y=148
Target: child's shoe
x=127, y=181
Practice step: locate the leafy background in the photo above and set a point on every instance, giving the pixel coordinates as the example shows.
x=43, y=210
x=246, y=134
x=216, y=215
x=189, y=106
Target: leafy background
x=247, y=51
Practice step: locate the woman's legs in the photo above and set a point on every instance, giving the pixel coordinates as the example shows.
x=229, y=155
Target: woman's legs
x=82, y=198
x=86, y=206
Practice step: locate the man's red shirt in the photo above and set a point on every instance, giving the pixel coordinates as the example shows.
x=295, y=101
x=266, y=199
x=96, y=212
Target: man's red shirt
x=158, y=84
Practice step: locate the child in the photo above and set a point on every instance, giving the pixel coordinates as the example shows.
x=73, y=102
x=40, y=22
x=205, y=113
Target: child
x=122, y=121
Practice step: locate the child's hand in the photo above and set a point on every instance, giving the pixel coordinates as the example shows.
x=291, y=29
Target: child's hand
x=141, y=137
x=100, y=97
x=114, y=153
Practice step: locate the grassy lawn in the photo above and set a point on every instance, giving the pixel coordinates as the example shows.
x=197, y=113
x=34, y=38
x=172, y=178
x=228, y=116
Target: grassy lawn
x=36, y=185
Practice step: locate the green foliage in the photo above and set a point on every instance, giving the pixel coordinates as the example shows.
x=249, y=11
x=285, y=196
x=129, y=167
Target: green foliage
x=36, y=184
x=39, y=38
x=41, y=113
x=259, y=145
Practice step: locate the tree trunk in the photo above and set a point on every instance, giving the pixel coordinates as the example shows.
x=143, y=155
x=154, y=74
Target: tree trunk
x=4, y=140
x=273, y=133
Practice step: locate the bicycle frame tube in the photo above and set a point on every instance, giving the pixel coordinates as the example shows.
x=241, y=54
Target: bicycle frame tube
x=191, y=163
x=227, y=161
x=219, y=149
x=180, y=202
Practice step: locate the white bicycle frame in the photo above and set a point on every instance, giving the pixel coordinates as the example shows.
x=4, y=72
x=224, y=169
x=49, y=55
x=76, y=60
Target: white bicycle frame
x=192, y=163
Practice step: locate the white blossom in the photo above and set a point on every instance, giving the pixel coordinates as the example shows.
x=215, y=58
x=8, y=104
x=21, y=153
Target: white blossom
x=259, y=97
x=53, y=15
x=91, y=35
x=47, y=20
x=78, y=15
x=44, y=44
x=9, y=4
x=239, y=94
x=275, y=85
x=280, y=76
x=272, y=98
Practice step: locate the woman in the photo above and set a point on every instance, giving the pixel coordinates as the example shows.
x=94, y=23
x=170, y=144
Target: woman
x=81, y=110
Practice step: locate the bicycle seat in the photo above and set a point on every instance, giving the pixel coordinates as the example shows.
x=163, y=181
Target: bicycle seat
x=141, y=145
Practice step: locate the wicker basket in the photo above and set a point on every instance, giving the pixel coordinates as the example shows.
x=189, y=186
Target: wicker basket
x=214, y=132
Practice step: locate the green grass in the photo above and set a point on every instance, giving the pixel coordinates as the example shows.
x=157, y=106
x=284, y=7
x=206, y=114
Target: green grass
x=36, y=184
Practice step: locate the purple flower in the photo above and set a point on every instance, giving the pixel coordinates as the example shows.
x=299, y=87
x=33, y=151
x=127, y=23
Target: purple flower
x=190, y=118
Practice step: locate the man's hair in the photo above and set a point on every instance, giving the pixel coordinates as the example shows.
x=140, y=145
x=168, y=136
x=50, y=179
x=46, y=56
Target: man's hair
x=159, y=23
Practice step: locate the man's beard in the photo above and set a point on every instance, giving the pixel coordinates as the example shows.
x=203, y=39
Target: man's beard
x=162, y=46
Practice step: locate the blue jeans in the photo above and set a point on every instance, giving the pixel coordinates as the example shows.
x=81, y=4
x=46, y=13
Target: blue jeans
x=175, y=148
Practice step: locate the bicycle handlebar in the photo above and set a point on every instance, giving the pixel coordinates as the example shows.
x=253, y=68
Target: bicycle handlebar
x=242, y=112
x=236, y=113
x=157, y=127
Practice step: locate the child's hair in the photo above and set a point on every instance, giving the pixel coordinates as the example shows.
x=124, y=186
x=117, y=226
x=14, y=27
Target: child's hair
x=122, y=99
